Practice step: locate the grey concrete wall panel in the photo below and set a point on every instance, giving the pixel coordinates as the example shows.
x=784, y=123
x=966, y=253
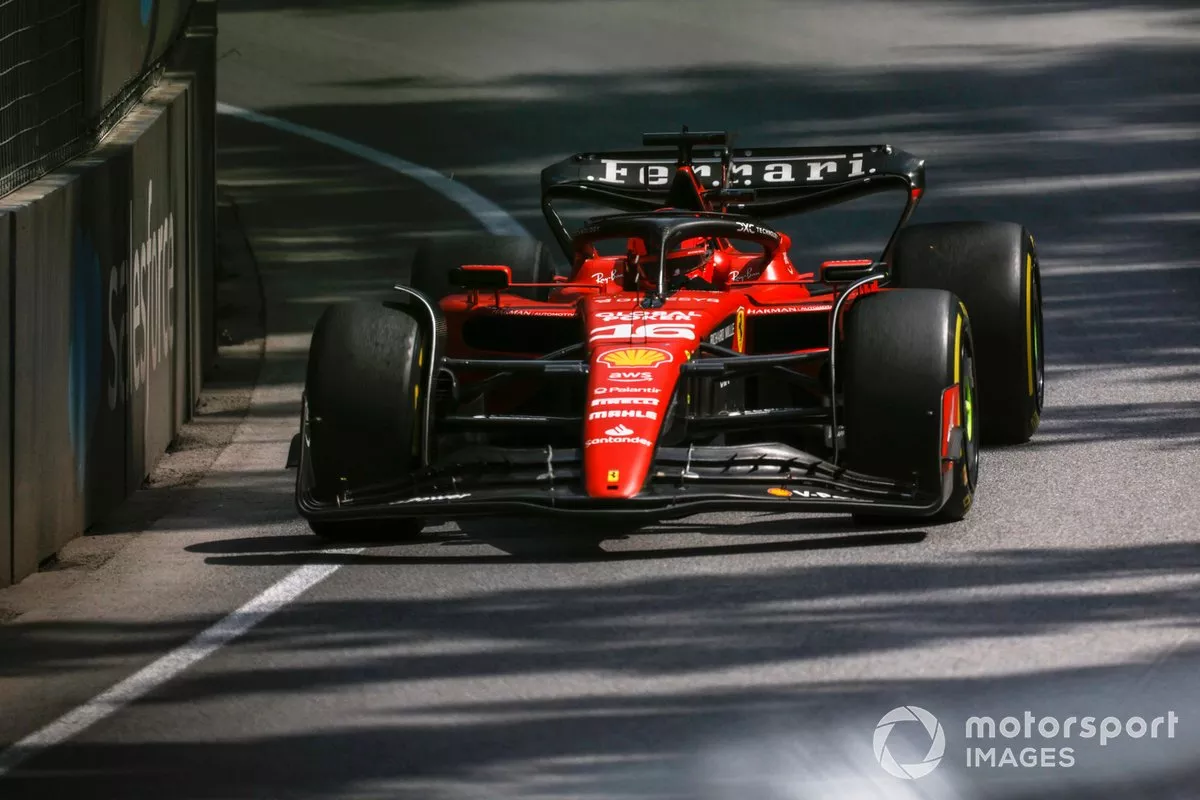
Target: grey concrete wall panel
x=47, y=478
x=100, y=302
x=194, y=60
x=179, y=116
x=6, y=539
x=155, y=281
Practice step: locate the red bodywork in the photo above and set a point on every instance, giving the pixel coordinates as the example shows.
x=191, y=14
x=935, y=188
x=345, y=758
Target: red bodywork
x=635, y=353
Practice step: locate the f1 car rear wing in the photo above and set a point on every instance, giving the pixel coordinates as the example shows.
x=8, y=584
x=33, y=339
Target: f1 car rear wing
x=758, y=182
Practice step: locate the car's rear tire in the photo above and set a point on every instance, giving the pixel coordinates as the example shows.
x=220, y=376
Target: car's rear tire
x=993, y=268
x=903, y=349
x=362, y=388
x=435, y=258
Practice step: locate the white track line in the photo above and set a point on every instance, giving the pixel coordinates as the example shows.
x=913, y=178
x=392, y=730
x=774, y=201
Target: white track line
x=167, y=667
x=496, y=221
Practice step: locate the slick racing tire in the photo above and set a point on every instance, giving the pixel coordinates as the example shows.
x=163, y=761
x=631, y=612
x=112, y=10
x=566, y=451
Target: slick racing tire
x=362, y=389
x=905, y=349
x=435, y=258
x=993, y=268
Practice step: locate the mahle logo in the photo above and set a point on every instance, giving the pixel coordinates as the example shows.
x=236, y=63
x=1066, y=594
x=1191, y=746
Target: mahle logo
x=937, y=742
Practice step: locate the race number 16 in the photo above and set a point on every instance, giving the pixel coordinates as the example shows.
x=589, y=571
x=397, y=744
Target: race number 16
x=651, y=330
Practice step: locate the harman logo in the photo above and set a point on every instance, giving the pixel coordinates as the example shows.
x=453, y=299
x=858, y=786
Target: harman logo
x=636, y=357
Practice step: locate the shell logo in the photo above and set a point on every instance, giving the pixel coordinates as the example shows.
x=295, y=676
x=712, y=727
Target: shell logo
x=635, y=357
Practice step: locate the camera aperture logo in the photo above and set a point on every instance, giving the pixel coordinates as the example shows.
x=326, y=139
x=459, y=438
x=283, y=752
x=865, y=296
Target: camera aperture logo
x=1028, y=740
x=937, y=742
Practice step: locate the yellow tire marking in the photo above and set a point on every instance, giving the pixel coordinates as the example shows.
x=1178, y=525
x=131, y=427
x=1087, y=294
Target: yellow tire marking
x=957, y=347
x=1029, y=318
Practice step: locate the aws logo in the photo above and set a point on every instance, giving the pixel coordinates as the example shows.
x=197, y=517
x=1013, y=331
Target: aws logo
x=84, y=378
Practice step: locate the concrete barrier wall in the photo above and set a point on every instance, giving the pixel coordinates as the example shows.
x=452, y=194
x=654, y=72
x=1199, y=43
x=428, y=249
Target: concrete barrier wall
x=101, y=271
x=6, y=529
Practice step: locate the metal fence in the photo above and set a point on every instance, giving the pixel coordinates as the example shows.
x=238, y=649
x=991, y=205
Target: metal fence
x=42, y=119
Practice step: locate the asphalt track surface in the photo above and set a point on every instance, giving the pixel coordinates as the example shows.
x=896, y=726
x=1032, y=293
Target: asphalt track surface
x=726, y=656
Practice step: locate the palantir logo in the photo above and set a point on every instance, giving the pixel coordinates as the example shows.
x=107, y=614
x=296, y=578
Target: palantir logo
x=937, y=742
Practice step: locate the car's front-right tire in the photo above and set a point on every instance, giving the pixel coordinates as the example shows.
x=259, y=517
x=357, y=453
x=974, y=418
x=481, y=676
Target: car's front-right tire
x=993, y=268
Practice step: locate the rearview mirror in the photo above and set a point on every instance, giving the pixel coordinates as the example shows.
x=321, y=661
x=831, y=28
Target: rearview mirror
x=848, y=271
x=491, y=277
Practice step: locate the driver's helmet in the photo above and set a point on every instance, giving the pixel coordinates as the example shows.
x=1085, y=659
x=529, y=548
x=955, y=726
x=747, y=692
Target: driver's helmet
x=688, y=263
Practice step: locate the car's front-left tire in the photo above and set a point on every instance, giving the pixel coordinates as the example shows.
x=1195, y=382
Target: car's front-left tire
x=362, y=391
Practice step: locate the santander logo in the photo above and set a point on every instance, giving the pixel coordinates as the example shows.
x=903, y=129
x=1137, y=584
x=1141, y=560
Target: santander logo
x=620, y=430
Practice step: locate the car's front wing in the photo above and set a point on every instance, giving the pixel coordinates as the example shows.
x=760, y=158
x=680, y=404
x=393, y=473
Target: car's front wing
x=683, y=481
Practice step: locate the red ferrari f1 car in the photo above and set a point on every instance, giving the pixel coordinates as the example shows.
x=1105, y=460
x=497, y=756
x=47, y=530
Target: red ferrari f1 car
x=687, y=364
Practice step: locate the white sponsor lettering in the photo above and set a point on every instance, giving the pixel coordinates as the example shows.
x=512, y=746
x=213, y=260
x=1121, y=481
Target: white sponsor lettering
x=817, y=168
x=602, y=279
x=648, y=331
x=528, y=312
x=433, y=499
x=627, y=389
x=691, y=298
x=654, y=176
x=810, y=494
x=613, y=171
x=773, y=170
x=723, y=334
x=636, y=316
x=143, y=339
x=627, y=413
x=631, y=377
x=754, y=312
x=778, y=173
x=620, y=430
x=619, y=440
x=625, y=401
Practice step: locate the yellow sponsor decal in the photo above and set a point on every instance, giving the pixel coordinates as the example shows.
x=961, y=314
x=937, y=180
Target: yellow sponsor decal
x=614, y=476
x=739, y=331
x=635, y=357
x=777, y=492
